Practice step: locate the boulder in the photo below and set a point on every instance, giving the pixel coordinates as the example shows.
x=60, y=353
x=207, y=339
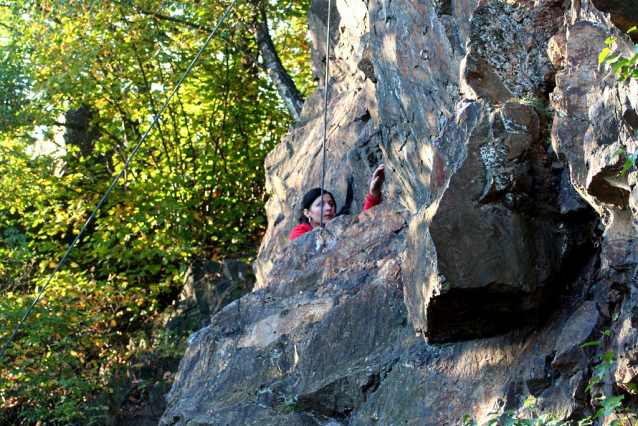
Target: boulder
x=505, y=241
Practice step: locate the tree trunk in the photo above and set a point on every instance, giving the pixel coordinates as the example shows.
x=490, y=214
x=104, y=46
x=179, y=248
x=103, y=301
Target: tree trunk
x=281, y=79
x=271, y=63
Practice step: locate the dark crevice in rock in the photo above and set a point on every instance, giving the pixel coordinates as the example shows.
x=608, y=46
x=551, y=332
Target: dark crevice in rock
x=349, y=199
x=631, y=118
x=623, y=13
x=497, y=308
x=444, y=7
x=367, y=66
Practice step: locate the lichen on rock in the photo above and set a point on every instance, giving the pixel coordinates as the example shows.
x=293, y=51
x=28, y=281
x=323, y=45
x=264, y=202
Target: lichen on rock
x=506, y=238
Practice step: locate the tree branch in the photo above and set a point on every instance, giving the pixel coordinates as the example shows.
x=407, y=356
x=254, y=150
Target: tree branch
x=281, y=79
x=271, y=63
x=9, y=28
x=203, y=28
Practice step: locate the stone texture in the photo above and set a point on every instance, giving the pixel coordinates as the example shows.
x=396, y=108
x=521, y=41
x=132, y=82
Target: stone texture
x=506, y=239
x=208, y=287
x=303, y=342
x=623, y=13
x=501, y=205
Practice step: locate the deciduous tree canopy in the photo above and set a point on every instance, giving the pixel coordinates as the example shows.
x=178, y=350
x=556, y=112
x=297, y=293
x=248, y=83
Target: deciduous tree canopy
x=98, y=72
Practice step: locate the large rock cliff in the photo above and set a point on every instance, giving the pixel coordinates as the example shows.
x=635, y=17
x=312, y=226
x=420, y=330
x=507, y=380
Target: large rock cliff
x=506, y=239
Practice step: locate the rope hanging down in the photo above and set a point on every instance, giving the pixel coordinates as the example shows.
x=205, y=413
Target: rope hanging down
x=325, y=114
x=117, y=178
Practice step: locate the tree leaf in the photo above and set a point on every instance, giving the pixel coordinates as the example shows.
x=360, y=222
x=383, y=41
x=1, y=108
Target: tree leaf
x=607, y=357
x=600, y=370
x=627, y=166
x=603, y=55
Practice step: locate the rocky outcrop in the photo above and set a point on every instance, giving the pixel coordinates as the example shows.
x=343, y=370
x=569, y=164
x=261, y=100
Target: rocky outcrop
x=298, y=344
x=506, y=240
x=208, y=287
x=623, y=13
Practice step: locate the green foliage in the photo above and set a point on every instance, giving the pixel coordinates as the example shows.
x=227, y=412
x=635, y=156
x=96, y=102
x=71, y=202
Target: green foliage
x=289, y=407
x=625, y=67
x=630, y=159
x=196, y=186
x=610, y=406
x=538, y=104
x=600, y=369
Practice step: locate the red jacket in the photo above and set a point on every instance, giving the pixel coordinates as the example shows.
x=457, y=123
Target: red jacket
x=305, y=227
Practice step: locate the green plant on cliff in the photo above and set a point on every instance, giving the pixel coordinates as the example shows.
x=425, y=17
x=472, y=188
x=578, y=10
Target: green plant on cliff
x=610, y=407
x=289, y=407
x=630, y=159
x=538, y=104
x=624, y=67
x=196, y=187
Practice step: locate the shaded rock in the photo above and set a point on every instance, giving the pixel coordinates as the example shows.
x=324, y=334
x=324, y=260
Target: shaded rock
x=627, y=368
x=570, y=357
x=505, y=213
x=208, y=287
x=505, y=253
x=623, y=13
x=563, y=397
x=139, y=392
x=588, y=128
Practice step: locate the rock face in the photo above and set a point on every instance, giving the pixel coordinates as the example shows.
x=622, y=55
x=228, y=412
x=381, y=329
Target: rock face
x=208, y=287
x=506, y=239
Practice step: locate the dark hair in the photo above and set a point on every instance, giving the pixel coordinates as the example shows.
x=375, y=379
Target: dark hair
x=310, y=198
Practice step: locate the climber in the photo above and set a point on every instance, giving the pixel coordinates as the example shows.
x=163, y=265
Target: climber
x=311, y=204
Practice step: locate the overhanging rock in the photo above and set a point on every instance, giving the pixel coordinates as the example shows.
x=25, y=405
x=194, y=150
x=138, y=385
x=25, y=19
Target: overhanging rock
x=498, y=246
x=507, y=237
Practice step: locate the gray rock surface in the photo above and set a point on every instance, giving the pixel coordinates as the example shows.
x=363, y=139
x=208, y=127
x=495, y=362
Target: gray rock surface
x=208, y=287
x=506, y=239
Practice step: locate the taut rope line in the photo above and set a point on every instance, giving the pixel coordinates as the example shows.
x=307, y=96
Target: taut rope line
x=117, y=178
x=325, y=114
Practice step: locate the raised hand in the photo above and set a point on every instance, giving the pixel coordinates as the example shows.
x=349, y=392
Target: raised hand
x=378, y=177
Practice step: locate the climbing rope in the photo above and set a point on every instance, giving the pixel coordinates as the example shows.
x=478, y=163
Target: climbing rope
x=325, y=114
x=117, y=178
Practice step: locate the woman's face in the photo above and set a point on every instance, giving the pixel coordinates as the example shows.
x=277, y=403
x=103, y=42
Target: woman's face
x=314, y=212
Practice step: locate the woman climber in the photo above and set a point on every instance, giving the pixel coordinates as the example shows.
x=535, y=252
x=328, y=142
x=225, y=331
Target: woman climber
x=311, y=204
